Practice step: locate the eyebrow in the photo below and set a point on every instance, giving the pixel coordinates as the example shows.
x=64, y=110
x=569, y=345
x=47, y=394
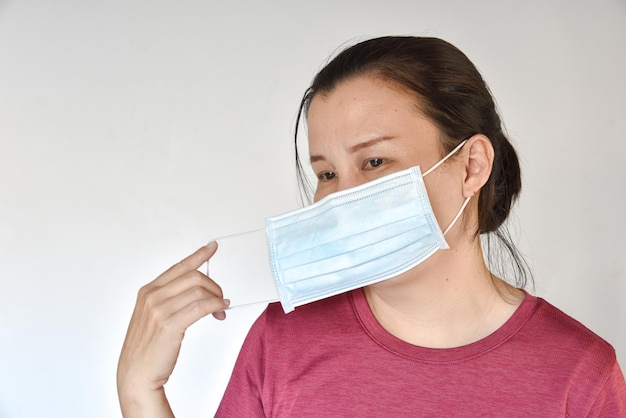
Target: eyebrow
x=357, y=147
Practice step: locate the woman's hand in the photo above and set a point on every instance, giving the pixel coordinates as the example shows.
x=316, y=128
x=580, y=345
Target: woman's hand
x=165, y=308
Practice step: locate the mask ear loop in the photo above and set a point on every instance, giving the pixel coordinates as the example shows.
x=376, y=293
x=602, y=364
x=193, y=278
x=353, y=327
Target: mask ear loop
x=458, y=215
x=443, y=160
x=431, y=169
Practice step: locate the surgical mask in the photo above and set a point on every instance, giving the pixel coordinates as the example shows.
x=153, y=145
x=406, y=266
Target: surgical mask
x=354, y=238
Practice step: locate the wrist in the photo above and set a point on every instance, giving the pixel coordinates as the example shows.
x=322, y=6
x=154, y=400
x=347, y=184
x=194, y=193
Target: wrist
x=144, y=403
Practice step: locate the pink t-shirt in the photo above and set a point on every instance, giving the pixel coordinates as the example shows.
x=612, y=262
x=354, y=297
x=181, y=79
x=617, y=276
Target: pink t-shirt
x=332, y=358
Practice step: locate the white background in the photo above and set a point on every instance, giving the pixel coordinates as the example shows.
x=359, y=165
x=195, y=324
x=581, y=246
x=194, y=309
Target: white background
x=133, y=131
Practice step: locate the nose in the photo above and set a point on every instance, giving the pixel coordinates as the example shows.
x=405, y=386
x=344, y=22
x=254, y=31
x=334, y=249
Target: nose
x=349, y=181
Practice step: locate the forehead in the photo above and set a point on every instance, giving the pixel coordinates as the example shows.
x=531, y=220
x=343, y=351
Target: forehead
x=362, y=107
x=366, y=91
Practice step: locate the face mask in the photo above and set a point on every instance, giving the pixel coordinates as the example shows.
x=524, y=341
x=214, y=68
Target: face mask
x=354, y=238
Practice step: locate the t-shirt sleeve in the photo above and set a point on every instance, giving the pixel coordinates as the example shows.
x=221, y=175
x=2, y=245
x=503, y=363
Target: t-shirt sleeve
x=242, y=397
x=611, y=401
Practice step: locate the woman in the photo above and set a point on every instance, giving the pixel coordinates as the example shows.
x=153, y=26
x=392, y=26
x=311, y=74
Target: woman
x=445, y=337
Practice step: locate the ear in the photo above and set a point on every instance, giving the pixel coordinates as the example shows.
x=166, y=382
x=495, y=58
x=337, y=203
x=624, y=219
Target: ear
x=478, y=164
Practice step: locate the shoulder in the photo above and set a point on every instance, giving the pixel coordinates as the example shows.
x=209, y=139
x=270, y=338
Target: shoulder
x=280, y=345
x=322, y=319
x=568, y=349
x=550, y=324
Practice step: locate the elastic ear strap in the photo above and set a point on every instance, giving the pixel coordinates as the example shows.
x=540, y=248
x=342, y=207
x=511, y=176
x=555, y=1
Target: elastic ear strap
x=443, y=160
x=458, y=215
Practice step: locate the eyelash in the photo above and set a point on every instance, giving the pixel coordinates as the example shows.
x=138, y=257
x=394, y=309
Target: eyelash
x=324, y=176
x=367, y=163
x=370, y=164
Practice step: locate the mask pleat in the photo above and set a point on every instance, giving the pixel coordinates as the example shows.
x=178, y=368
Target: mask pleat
x=299, y=253
x=346, y=261
x=370, y=272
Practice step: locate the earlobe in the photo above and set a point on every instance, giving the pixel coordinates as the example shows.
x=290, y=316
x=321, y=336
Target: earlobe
x=478, y=164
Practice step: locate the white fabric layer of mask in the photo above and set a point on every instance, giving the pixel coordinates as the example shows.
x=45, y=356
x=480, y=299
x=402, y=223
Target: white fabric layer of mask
x=241, y=267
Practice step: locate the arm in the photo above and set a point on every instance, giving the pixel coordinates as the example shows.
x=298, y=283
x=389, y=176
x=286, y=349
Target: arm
x=611, y=401
x=165, y=308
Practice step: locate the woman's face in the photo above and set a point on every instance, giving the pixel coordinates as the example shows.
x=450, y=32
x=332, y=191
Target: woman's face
x=367, y=128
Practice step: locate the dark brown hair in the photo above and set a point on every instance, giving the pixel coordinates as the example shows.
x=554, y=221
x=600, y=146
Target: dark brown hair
x=451, y=92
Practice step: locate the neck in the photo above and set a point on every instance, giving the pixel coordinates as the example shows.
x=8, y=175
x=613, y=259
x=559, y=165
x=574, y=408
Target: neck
x=450, y=300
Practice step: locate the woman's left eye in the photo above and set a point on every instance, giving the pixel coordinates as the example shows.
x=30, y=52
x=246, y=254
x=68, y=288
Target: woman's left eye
x=373, y=163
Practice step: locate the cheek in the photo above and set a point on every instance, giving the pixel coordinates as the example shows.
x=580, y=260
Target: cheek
x=319, y=194
x=445, y=198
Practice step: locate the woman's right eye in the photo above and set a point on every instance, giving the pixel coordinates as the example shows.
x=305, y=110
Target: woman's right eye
x=326, y=176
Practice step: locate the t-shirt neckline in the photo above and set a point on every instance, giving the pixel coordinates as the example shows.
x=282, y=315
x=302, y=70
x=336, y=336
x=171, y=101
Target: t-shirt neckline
x=399, y=347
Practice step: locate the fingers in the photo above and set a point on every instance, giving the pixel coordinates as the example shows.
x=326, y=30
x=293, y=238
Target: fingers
x=189, y=280
x=191, y=312
x=191, y=263
x=185, y=291
x=182, y=294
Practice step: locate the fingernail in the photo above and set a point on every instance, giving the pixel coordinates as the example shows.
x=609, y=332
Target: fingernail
x=227, y=302
x=211, y=245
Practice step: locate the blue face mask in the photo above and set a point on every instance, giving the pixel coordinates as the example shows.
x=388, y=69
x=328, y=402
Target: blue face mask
x=354, y=238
